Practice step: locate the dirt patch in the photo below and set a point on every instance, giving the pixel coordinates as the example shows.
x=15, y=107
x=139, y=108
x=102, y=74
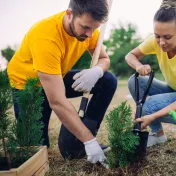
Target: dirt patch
x=160, y=161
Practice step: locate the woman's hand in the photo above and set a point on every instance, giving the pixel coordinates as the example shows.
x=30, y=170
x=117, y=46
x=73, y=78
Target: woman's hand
x=145, y=120
x=143, y=69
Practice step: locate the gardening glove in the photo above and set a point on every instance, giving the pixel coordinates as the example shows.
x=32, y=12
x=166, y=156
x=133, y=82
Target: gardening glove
x=86, y=79
x=94, y=151
x=143, y=69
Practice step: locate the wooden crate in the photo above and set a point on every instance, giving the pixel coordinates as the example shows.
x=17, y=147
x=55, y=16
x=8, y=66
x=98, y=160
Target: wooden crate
x=37, y=165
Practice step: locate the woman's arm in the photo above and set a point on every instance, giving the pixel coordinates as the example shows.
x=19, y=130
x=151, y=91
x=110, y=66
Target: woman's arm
x=146, y=120
x=132, y=58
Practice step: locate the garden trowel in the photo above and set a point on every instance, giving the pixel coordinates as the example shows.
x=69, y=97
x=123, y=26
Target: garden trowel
x=140, y=151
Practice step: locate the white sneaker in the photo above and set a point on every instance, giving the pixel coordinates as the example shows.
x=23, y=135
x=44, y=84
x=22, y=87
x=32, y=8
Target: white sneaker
x=153, y=139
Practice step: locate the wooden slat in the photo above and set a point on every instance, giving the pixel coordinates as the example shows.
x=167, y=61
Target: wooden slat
x=42, y=170
x=32, y=165
x=37, y=163
x=12, y=172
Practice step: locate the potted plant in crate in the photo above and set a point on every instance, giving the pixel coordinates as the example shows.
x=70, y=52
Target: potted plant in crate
x=24, y=153
x=121, y=138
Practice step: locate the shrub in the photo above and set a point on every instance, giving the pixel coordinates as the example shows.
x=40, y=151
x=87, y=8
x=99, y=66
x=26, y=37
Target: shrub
x=121, y=138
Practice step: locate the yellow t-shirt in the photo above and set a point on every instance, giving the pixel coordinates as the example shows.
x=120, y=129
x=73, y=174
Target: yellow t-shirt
x=167, y=66
x=49, y=49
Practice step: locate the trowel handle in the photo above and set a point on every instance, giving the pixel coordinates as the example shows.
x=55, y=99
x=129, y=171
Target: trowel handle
x=138, y=111
x=151, y=76
x=139, y=103
x=83, y=105
x=137, y=126
x=149, y=83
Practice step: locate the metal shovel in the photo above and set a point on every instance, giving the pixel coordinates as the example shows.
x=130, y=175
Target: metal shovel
x=140, y=151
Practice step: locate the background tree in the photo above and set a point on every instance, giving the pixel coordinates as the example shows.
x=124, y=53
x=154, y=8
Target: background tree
x=7, y=53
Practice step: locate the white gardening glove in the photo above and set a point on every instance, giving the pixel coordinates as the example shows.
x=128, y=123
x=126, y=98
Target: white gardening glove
x=86, y=79
x=94, y=151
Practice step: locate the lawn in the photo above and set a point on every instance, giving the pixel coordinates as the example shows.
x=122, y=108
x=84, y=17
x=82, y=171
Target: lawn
x=160, y=160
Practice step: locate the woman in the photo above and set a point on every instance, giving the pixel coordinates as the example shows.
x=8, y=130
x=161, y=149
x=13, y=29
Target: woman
x=162, y=96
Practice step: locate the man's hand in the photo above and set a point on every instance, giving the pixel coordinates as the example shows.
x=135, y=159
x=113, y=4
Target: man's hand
x=145, y=121
x=94, y=151
x=86, y=79
x=143, y=69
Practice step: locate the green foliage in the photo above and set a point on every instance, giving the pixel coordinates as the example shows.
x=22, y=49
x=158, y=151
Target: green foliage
x=83, y=62
x=28, y=129
x=8, y=53
x=121, y=41
x=5, y=104
x=4, y=81
x=121, y=138
x=30, y=112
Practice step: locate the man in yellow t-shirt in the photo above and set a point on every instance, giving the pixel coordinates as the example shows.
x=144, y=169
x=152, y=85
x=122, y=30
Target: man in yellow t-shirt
x=162, y=95
x=49, y=50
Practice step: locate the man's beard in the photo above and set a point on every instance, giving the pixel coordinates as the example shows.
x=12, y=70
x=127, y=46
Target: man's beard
x=81, y=38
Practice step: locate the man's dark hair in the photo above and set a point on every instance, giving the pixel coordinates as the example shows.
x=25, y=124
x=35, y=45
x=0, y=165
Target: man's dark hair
x=166, y=12
x=98, y=9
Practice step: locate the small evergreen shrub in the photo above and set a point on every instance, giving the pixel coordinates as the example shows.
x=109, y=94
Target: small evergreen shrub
x=27, y=129
x=5, y=105
x=121, y=138
x=18, y=139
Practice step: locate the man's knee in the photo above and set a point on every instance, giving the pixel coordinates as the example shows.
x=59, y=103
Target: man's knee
x=110, y=79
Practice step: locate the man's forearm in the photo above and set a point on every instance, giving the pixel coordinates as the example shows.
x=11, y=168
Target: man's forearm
x=104, y=63
x=164, y=111
x=55, y=91
x=69, y=117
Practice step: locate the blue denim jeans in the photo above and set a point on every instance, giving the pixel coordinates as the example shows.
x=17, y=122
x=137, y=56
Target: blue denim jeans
x=102, y=94
x=161, y=95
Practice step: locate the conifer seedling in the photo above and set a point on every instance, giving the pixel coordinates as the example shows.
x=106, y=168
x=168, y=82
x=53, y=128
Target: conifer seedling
x=5, y=122
x=121, y=138
x=20, y=139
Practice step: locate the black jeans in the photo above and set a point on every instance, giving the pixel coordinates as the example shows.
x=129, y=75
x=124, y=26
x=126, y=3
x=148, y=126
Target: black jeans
x=103, y=92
